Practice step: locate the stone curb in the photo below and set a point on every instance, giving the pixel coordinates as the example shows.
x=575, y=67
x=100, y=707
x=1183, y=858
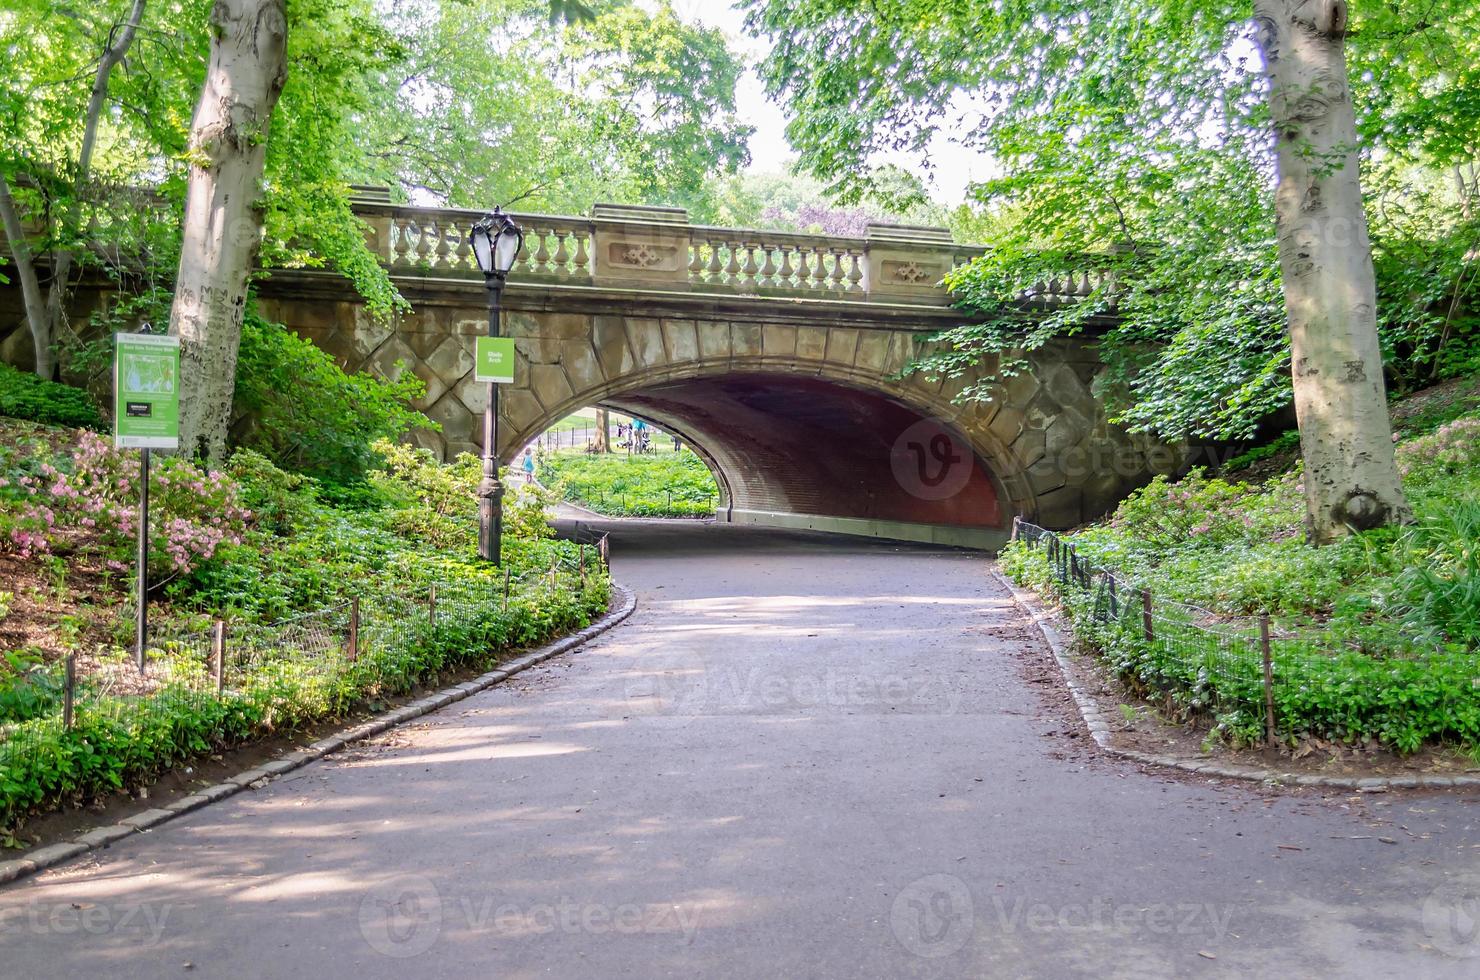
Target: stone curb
x=1099, y=729
x=98, y=837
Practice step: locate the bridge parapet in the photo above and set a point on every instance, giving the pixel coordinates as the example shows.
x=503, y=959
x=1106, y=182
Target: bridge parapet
x=658, y=248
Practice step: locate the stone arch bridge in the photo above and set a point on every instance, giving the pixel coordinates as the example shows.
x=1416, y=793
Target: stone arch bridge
x=780, y=357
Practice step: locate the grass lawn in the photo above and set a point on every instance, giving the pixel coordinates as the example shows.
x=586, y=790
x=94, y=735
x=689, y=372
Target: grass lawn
x=663, y=484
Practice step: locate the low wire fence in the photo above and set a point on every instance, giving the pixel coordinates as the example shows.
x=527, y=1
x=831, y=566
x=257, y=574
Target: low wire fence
x=1203, y=662
x=309, y=660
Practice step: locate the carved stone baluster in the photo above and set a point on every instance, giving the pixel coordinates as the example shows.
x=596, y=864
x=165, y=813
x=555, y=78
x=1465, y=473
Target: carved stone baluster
x=582, y=264
x=696, y=261
x=562, y=254
x=768, y=269
x=819, y=268
x=714, y=269
x=855, y=270
x=423, y=246
x=749, y=270
x=835, y=272
x=442, y=254
x=732, y=267
x=784, y=276
x=542, y=252
x=401, y=232
x=462, y=255
x=804, y=272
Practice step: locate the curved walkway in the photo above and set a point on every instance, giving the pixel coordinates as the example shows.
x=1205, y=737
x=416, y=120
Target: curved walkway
x=800, y=757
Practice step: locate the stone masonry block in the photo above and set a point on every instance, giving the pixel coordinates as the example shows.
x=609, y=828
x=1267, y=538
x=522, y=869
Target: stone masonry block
x=646, y=338
x=680, y=340
x=778, y=340
x=812, y=343
x=714, y=340
x=746, y=339
x=842, y=345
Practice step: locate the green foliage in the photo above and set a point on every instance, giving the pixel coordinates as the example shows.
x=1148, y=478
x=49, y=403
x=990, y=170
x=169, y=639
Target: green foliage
x=657, y=485
x=29, y=687
x=1281, y=444
x=632, y=105
x=1375, y=636
x=297, y=407
x=25, y=396
x=301, y=556
x=1133, y=140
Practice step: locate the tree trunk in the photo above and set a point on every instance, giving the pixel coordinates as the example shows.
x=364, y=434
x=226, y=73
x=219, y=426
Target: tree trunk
x=603, y=441
x=1351, y=478
x=25, y=269
x=223, y=211
x=61, y=259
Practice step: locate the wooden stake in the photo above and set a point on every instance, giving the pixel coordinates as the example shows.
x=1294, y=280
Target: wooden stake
x=69, y=690
x=1269, y=731
x=218, y=654
x=354, y=628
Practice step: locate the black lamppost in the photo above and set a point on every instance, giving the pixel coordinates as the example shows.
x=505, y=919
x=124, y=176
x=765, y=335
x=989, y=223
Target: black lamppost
x=496, y=243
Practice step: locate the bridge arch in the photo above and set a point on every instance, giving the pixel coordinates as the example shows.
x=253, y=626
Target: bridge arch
x=814, y=443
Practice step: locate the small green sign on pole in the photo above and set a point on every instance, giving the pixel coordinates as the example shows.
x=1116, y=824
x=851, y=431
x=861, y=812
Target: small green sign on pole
x=146, y=392
x=493, y=360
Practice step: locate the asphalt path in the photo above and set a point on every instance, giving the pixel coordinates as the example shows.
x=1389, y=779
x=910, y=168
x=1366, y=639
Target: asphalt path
x=801, y=757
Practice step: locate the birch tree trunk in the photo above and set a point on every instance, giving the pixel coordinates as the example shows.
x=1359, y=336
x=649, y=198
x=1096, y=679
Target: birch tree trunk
x=25, y=270
x=223, y=211
x=1351, y=478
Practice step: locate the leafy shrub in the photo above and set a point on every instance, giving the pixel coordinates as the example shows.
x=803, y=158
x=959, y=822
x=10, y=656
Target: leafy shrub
x=297, y=407
x=25, y=396
x=29, y=688
x=278, y=500
x=1381, y=630
x=1283, y=443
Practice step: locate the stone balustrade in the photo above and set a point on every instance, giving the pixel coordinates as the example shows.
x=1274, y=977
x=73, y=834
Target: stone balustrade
x=658, y=248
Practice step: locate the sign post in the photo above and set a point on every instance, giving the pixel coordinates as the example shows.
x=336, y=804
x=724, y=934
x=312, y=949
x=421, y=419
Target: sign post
x=493, y=360
x=146, y=415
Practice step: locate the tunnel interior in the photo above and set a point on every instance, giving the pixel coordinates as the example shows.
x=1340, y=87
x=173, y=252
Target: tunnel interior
x=792, y=444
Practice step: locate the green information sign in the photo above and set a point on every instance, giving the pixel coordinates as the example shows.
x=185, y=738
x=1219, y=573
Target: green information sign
x=493, y=360
x=146, y=392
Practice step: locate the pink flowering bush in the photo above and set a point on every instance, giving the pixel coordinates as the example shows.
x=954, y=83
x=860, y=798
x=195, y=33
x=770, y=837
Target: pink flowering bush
x=87, y=500
x=1450, y=451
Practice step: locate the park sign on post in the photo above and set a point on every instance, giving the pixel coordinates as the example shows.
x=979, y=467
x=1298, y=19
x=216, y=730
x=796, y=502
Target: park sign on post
x=146, y=392
x=493, y=360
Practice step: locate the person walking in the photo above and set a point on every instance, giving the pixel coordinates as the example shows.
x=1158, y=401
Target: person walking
x=528, y=466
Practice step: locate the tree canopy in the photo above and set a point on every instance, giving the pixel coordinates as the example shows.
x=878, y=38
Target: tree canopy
x=531, y=104
x=1134, y=138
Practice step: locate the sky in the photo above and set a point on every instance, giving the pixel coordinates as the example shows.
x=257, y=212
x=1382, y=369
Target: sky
x=952, y=166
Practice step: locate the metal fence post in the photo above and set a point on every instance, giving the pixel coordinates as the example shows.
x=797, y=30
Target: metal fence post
x=354, y=628
x=1146, y=616
x=218, y=654
x=583, y=566
x=1269, y=730
x=69, y=690
x=432, y=607
x=506, y=589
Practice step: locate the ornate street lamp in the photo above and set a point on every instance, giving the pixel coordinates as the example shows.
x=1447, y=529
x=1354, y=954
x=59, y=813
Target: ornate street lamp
x=496, y=243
